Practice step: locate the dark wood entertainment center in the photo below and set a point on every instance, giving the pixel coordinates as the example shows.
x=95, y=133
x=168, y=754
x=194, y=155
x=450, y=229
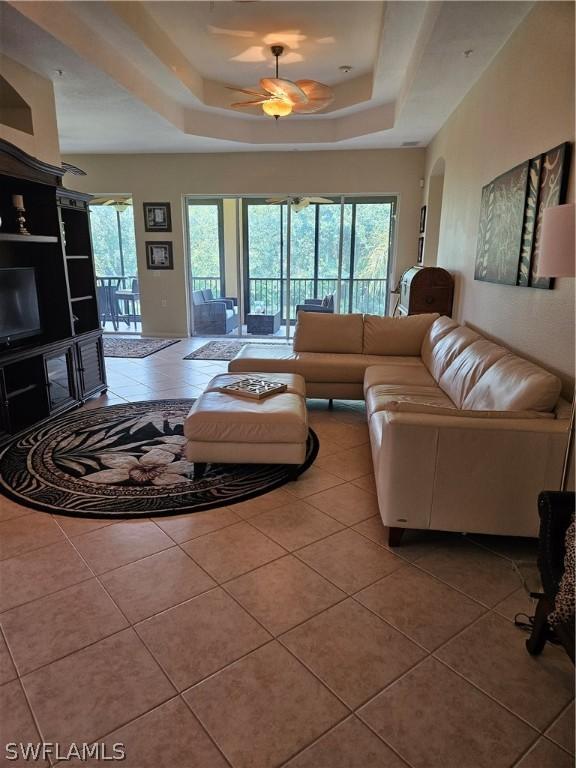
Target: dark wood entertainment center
x=63, y=365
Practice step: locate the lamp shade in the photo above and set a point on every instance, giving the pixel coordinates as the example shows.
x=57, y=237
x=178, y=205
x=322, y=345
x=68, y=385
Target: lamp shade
x=557, y=253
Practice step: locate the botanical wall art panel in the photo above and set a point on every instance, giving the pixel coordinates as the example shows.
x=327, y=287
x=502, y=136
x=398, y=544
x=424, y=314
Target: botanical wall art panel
x=529, y=221
x=552, y=191
x=500, y=233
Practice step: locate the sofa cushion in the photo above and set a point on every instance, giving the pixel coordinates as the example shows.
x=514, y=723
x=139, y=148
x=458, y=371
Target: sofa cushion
x=437, y=331
x=320, y=332
x=396, y=335
x=448, y=348
x=466, y=369
x=514, y=384
x=383, y=397
x=409, y=373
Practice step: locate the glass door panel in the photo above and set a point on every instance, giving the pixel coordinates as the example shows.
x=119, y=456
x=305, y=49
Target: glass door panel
x=114, y=246
x=372, y=231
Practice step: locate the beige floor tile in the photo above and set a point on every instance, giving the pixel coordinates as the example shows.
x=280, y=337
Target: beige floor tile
x=9, y=510
x=348, y=464
x=423, y=608
x=312, y=481
x=76, y=526
x=517, y=602
x=23, y=534
x=414, y=543
x=16, y=724
x=326, y=447
x=253, y=507
x=352, y=651
x=168, y=737
x=39, y=573
x=433, y=718
x=348, y=745
x=562, y=730
x=346, y=503
x=70, y=619
x=544, y=754
x=156, y=583
x=264, y=708
x=283, y=593
x=199, y=637
x=512, y=547
x=349, y=560
x=190, y=526
x=492, y=654
x=481, y=574
x=367, y=483
x=96, y=689
x=295, y=524
x=232, y=551
x=121, y=543
x=7, y=670
x=344, y=435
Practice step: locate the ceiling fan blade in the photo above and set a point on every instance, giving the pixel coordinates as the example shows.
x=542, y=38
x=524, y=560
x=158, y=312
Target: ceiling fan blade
x=253, y=103
x=246, y=91
x=318, y=96
x=283, y=89
x=319, y=200
x=276, y=200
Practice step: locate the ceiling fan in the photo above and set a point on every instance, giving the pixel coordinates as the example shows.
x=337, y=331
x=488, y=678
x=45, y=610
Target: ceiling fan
x=120, y=203
x=281, y=97
x=298, y=203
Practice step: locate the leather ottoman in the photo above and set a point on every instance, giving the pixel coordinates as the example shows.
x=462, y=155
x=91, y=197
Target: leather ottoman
x=228, y=429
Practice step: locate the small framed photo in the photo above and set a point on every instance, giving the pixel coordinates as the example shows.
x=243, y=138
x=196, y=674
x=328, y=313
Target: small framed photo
x=159, y=254
x=422, y=219
x=157, y=217
x=420, y=250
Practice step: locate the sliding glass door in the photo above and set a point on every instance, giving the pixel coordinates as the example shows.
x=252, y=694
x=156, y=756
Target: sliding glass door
x=264, y=262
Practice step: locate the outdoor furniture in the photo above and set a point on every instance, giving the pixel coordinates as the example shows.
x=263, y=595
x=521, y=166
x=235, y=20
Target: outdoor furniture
x=108, y=303
x=230, y=429
x=555, y=617
x=262, y=324
x=317, y=305
x=213, y=317
x=130, y=299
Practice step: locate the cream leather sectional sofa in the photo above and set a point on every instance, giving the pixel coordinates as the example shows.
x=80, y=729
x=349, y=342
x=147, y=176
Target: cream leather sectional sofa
x=464, y=433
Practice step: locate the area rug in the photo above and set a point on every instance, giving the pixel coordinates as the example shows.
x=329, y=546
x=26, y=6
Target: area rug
x=126, y=461
x=135, y=347
x=226, y=350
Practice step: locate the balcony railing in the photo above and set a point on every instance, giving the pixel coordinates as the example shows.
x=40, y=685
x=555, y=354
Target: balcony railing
x=268, y=294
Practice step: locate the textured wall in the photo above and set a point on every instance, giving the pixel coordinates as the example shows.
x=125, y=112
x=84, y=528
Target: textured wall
x=171, y=177
x=521, y=106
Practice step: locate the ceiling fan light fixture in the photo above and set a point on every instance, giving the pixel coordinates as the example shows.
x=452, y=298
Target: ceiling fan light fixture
x=277, y=108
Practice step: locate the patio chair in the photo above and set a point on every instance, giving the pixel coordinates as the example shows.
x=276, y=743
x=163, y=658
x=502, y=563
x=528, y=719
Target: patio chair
x=213, y=317
x=317, y=305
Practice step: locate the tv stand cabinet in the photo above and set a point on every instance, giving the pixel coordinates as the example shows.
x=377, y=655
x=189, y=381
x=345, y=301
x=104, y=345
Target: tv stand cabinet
x=61, y=368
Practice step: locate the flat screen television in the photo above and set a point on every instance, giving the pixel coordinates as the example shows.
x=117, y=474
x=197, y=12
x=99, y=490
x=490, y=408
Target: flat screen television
x=19, y=310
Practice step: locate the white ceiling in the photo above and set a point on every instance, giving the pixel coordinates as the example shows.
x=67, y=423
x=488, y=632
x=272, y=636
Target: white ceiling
x=151, y=76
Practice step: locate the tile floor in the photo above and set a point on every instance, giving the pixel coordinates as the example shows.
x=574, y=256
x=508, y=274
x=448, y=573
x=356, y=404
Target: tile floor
x=277, y=632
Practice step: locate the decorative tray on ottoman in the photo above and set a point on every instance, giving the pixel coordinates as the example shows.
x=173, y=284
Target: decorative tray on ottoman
x=255, y=389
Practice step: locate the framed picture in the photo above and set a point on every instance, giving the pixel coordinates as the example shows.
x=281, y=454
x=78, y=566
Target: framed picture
x=420, y=250
x=159, y=254
x=500, y=228
x=157, y=217
x=422, y=219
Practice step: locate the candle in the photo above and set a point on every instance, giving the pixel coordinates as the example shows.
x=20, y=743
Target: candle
x=18, y=201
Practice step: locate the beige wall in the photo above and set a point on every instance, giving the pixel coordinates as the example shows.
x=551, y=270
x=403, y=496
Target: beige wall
x=38, y=93
x=170, y=177
x=521, y=106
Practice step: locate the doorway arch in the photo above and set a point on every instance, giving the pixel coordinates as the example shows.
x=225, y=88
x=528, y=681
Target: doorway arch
x=434, y=213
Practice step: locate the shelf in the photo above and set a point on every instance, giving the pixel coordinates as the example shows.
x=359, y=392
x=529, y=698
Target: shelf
x=76, y=257
x=14, y=238
x=81, y=298
x=21, y=391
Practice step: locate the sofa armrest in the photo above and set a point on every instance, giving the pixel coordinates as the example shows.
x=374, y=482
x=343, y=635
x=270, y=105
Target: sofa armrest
x=228, y=303
x=210, y=310
x=313, y=301
x=457, y=473
x=313, y=308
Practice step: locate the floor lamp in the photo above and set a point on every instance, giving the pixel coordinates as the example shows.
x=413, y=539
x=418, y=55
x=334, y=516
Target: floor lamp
x=558, y=259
